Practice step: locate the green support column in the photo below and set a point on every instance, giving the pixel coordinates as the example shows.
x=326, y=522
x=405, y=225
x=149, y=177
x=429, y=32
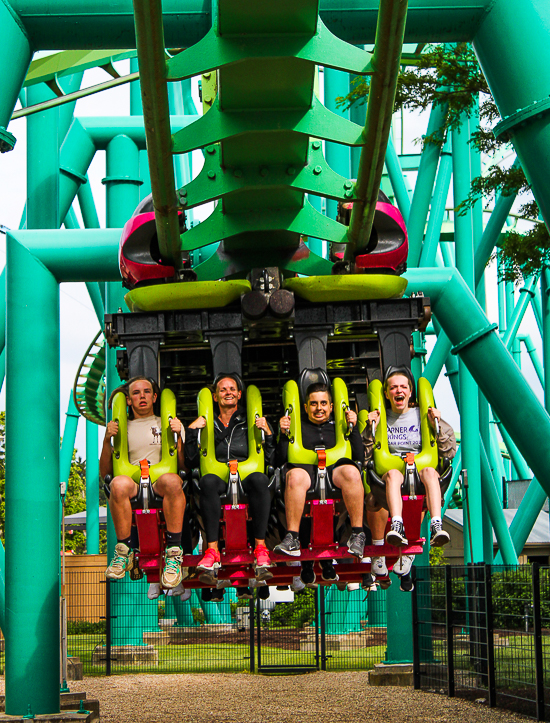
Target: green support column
x=469, y=419
x=399, y=631
x=337, y=155
x=92, y=489
x=14, y=63
x=67, y=444
x=42, y=164
x=437, y=211
x=396, y=178
x=32, y=621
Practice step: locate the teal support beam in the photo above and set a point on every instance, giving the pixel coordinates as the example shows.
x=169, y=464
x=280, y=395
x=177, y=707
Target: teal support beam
x=2, y=367
x=336, y=84
x=536, y=305
x=424, y=186
x=526, y=516
x=437, y=211
x=32, y=303
x=475, y=340
x=87, y=205
x=42, y=165
x=510, y=306
x=75, y=155
x=16, y=57
x=518, y=313
x=531, y=349
x=397, y=180
x=2, y=589
x=469, y=398
x=357, y=114
x=67, y=444
x=494, y=506
x=457, y=468
x=92, y=489
x=437, y=358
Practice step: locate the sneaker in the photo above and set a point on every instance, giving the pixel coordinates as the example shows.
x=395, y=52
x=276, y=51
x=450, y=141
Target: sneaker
x=122, y=561
x=396, y=535
x=378, y=566
x=297, y=584
x=368, y=582
x=172, y=575
x=262, y=563
x=208, y=565
x=356, y=544
x=263, y=593
x=406, y=583
x=217, y=595
x=438, y=536
x=308, y=573
x=244, y=593
x=154, y=591
x=353, y=586
x=403, y=565
x=289, y=546
x=328, y=573
x=341, y=585
x=186, y=594
x=384, y=583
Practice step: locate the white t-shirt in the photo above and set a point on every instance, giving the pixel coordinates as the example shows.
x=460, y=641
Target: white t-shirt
x=404, y=431
x=144, y=440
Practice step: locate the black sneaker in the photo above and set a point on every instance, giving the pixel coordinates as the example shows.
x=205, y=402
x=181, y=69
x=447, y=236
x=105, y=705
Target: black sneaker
x=217, y=594
x=406, y=583
x=263, y=592
x=368, y=582
x=356, y=544
x=384, y=583
x=289, y=546
x=206, y=594
x=328, y=573
x=244, y=593
x=307, y=575
x=396, y=535
x=438, y=536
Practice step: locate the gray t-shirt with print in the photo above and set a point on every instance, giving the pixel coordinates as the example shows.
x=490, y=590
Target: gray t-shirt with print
x=404, y=431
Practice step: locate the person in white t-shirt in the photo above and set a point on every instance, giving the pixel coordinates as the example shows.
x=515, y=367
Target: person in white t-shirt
x=144, y=442
x=404, y=436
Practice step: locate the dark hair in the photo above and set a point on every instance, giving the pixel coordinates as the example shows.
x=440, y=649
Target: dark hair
x=318, y=387
x=125, y=389
x=229, y=375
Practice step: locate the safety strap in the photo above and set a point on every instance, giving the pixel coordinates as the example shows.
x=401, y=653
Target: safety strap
x=410, y=469
x=233, y=465
x=144, y=482
x=322, y=470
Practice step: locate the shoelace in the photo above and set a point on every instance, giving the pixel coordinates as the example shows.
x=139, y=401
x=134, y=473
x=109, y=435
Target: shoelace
x=172, y=563
x=118, y=560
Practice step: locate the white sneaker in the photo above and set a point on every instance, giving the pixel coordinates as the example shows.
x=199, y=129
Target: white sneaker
x=403, y=565
x=154, y=591
x=378, y=566
x=353, y=586
x=297, y=584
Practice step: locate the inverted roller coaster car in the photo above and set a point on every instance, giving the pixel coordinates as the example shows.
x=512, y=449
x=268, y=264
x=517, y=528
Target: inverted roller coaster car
x=139, y=254
x=388, y=244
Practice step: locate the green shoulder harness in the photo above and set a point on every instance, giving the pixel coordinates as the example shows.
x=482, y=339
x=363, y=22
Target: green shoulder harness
x=208, y=462
x=297, y=454
x=169, y=459
x=384, y=460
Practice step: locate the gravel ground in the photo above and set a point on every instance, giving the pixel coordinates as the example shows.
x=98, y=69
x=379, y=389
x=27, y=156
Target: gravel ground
x=241, y=698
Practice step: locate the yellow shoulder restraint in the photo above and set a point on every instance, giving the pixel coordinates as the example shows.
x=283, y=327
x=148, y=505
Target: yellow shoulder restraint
x=208, y=462
x=383, y=459
x=297, y=454
x=169, y=459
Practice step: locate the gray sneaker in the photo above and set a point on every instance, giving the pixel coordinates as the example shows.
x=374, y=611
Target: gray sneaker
x=403, y=565
x=289, y=546
x=356, y=544
x=122, y=561
x=378, y=566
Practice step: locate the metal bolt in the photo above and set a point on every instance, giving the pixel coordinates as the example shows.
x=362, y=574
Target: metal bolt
x=317, y=170
x=182, y=193
x=211, y=149
x=348, y=194
x=208, y=99
x=348, y=184
x=291, y=171
x=212, y=174
x=316, y=145
x=238, y=173
x=206, y=75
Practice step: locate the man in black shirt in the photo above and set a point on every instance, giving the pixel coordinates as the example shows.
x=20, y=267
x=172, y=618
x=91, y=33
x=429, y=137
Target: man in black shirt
x=231, y=442
x=318, y=430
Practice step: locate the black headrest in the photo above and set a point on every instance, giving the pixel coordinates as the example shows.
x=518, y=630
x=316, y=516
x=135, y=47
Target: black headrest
x=406, y=372
x=309, y=377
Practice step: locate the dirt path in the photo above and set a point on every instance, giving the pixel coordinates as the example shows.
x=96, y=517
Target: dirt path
x=242, y=698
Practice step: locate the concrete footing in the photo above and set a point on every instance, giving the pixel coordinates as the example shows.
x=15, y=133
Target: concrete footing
x=127, y=655
x=74, y=707
x=397, y=674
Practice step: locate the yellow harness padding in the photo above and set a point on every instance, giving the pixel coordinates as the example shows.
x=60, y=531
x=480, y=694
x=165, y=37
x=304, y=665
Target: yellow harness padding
x=384, y=460
x=168, y=460
x=297, y=453
x=208, y=462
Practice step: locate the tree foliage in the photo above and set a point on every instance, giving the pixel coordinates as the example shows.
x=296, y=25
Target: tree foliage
x=450, y=77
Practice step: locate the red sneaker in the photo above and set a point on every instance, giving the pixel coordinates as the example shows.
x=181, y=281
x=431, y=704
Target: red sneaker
x=210, y=561
x=262, y=563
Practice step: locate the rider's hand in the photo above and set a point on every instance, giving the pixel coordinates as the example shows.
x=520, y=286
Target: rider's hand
x=284, y=424
x=261, y=423
x=351, y=417
x=175, y=425
x=433, y=414
x=199, y=423
x=111, y=429
x=374, y=416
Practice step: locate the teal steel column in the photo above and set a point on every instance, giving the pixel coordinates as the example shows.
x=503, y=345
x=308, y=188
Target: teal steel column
x=336, y=84
x=437, y=211
x=92, y=489
x=75, y=155
x=2, y=589
x=67, y=443
x=32, y=486
x=42, y=164
x=87, y=205
x=469, y=403
x=14, y=63
x=510, y=306
x=397, y=180
x=424, y=186
x=534, y=356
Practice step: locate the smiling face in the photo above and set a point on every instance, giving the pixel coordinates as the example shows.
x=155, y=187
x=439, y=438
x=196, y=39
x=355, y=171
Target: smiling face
x=318, y=407
x=141, y=398
x=398, y=391
x=227, y=394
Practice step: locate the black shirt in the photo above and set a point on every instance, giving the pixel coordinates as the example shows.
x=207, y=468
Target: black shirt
x=320, y=435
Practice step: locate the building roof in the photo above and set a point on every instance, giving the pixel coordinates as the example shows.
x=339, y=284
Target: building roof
x=539, y=535
x=78, y=520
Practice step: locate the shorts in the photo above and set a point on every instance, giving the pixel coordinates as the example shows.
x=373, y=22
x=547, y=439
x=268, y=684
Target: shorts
x=311, y=469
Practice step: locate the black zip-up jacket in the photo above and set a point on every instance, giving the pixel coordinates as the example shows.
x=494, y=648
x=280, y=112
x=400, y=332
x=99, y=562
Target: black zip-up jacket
x=320, y=435
x=231, y=442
